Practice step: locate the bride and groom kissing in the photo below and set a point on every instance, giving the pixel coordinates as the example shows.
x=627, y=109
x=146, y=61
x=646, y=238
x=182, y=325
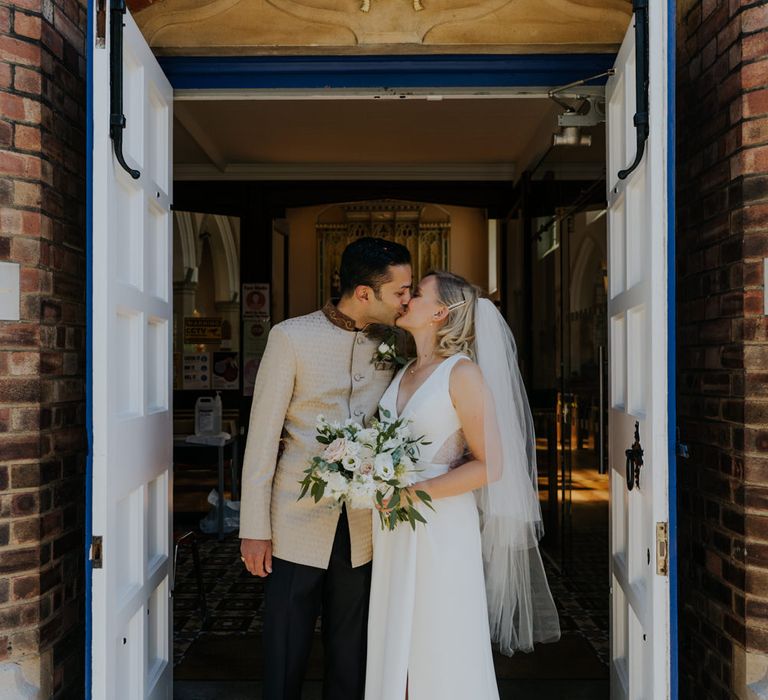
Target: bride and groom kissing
x=407, y=612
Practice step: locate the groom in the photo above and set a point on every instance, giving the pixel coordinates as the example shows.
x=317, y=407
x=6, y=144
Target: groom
x=316, y=558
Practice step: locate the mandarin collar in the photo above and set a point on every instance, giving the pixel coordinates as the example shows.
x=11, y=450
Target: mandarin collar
x=337, y=318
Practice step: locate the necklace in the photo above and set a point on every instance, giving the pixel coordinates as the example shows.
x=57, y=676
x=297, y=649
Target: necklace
x=427, y=363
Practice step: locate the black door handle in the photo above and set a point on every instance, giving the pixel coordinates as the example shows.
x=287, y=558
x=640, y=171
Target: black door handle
x=117, y=117
x=634, y=460
x=641, y=118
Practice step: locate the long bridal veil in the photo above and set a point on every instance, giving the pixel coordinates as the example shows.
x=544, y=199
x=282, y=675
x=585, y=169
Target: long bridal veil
x=520, y=606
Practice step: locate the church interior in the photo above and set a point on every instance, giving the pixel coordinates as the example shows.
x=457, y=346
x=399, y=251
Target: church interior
x=493, y=189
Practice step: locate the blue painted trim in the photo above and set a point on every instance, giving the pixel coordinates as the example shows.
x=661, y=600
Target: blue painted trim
x=672, y=348
x=415, y=71
x=88, y=346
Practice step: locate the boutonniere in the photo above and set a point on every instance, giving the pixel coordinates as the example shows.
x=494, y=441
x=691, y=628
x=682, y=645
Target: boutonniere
x=385, y=356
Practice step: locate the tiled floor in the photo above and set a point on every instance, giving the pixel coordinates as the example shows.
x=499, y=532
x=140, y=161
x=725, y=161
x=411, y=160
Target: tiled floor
x=508, y=690
x=234, y=599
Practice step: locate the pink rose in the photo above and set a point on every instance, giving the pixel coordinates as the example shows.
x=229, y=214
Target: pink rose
x=336, y=450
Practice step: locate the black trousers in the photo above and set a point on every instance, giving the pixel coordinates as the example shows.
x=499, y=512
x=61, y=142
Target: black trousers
x=294, y=596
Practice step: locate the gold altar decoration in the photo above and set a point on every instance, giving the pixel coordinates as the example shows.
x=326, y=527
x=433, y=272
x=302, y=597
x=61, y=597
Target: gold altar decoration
x=422, y=228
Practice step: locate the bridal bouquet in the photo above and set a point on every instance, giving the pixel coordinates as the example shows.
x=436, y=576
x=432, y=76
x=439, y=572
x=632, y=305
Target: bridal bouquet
x=367, y=468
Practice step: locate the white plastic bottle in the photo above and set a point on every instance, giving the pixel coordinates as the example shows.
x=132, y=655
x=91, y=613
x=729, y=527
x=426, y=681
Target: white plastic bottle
x=205, y=416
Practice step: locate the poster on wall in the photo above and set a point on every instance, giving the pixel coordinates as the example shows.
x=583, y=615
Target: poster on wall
x=200, y=329
x=196, y=370
x=226, y=370
x=256, y=301
x=255, y=335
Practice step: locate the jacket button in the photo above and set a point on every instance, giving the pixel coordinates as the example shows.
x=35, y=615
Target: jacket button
x=360, y=340
x=358, y=377
x=358, y=413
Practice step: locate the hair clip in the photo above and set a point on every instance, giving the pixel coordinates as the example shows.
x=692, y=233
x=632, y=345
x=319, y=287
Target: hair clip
x=456, y=304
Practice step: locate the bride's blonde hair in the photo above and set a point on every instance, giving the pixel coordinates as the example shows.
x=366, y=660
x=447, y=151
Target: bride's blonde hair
x=457, y=334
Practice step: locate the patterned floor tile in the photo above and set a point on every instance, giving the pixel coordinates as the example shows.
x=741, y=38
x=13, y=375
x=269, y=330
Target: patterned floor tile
x=234, y=598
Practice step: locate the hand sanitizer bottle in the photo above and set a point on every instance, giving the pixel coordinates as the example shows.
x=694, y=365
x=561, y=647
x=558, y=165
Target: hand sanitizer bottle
x=204, y=416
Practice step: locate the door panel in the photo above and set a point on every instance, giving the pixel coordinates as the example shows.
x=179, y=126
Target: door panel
x=131, y=374
x=638, y=318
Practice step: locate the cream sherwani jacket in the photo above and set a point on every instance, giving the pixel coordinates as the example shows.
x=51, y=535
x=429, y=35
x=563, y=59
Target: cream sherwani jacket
x=314, y=364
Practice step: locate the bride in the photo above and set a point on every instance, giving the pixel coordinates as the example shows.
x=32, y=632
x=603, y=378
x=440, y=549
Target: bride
x=440, y=595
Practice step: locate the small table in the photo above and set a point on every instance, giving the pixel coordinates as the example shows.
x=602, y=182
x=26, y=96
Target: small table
x=219, y=444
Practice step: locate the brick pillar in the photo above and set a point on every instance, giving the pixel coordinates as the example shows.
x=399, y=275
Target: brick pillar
x=723, y=381
x=42, y=438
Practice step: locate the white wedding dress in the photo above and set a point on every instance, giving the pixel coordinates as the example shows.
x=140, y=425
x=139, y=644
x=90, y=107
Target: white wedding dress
x=428, y=621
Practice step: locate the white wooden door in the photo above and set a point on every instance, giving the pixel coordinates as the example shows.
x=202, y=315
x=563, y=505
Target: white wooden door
x=131, y=376
x=638, y=347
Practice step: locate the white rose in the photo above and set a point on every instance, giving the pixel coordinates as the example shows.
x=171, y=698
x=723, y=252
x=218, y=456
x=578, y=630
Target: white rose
x=361, y=493
x=336, y=450
x=385, y=349
x=367, y=437
x=337, y=485
x=366, y=452
x=366, y=466
x=383, y=466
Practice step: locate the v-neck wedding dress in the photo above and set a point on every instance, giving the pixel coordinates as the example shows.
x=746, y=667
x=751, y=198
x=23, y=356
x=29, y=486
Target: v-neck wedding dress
x=428, y=620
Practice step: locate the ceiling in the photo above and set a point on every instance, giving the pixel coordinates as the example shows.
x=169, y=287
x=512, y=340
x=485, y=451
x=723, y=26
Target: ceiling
x=302, y=138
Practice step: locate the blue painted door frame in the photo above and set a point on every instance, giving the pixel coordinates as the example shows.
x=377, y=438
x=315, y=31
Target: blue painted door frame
x=383, y=72
x=402, y=72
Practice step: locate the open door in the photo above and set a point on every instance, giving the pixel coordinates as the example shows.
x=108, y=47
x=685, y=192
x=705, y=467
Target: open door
x=130, y=325
x=639, y=210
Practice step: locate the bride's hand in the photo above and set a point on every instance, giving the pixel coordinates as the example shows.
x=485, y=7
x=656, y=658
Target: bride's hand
x=384, y=507
x=407, y=495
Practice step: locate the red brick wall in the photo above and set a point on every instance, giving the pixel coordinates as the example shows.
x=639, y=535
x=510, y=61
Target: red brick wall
x=723, y=359
x=42, y=439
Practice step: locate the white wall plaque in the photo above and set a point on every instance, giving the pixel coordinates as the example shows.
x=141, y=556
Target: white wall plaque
x=10, y=297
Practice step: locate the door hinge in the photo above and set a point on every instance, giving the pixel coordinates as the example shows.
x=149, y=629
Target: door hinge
x=95, y=553
x=662, y=549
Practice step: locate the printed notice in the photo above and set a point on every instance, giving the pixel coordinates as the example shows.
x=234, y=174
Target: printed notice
x=199, y=329
x=256, y=301
x=196, y=371
x=226, y=370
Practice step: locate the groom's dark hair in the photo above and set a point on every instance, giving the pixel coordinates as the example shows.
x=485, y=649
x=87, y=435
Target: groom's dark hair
x=366, y=261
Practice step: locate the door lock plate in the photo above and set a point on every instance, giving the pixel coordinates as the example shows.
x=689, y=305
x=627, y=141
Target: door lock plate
x=662, y=549
x=95, y=554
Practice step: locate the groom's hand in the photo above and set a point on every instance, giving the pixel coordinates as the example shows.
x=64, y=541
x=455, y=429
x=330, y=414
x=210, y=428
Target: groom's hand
x=257, y=556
